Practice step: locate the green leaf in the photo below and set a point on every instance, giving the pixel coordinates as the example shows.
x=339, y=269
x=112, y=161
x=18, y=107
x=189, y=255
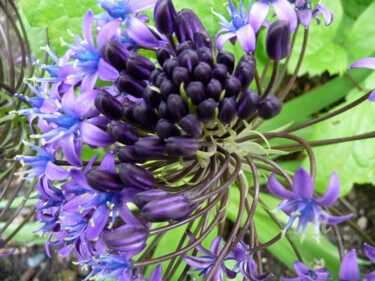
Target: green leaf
x=58, y=16
x=360, y=41
x=354, y=161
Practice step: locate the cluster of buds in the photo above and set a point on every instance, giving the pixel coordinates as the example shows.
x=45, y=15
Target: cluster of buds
x=174, y=127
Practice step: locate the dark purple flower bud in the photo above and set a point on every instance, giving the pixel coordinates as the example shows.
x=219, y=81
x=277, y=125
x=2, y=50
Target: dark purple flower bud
x=247, y=59
x=220, y=72
x=188, y=59
x=202, y=72
x=247, y=104
x=122, y=133
x=182, y=146
x=177, y=106
x=203, y=39
x=195, y=90
x=187, y=45
x=164, y=14
x=151, y=97
x=145, y=116
x=191, y=125
x=245, y=72
x=104, y=181
x=128, y=112
x=160, y=79
x=167, y=88
x=155, y=73
x=206, y=55
x=227, y=110
x=206, y=109
x=150, y=146
x=269, y=107
x=136, y=176
x=108, y=105
x=141, y=198
x=139, y=66
x=181, y=75
x=166, y=129
x=127, y=238
x=163, y=53
x=227, y=59
x=278, y=40
x=174, y=207
x=163, y=111
x=131, y=85
x=186, y=23
x=214, y=89
x=170, y=64
x=128, y=154
x=232, y=86
x=115, y=54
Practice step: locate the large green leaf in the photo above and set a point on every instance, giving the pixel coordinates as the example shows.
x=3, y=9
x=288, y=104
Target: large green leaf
x=354, y=161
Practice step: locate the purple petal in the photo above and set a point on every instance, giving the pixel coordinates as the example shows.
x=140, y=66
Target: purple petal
x=108, y=163
x=278, y=190
x=85, y=102
x=304, y=17
x=139, y=6
x=198, y=262
x=7, y=254
x=156, y=274
x=140, y=33
x=246, y=37
x=216, y=245
x=258, y=14
x=69, y=99
x=87, y=27
x=255, y=274
x=369, y=277
x=369, y=252
x=349, y=267
x=285, y=11
x=221, y=39
x=300, y=268
x=303, y=186
x=54, y=172
x=107, y=32
x=88, y=82
x=364, y=63
x=332, y=193
x=94, y=136
x=327, y=14
x=71, y=150
x=97, y=222
x=372, y=96
x=106, y=71
x=325, y=217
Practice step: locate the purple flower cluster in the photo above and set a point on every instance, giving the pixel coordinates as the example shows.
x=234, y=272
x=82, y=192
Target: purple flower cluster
x=163, y=123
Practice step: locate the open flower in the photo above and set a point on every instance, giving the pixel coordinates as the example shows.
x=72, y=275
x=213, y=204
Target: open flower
x=307, y=274
x=300, y=203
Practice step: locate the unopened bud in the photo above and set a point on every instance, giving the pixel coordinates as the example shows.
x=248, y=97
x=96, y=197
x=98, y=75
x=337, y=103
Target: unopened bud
x=166, y=129
x=128, y=154
x=247, y=104
x=104, y=181
x=227, y=59
x=182, y=146
x=191, y=125
x=163, y=53
x=145, y=116
x=203, y=39
x=131, y=85
x=186, y=23
x=115, y=54
x=136, y=176
x=108, y=105
x=202, y=72
x=269, y=107
x=196, y=92
x=214, y=89
x=227, y=110
x=177, y=106
x=278, y=40
x=232, y=86
x=142, y=198
x=139, y=66
x=164, y=14
x=188, y=59
x=150, y=146
x=206, y=109
x=122, y=133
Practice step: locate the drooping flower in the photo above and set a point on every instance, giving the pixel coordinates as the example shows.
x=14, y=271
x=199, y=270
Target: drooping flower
x=306, y=12
x=366, y=63
x=300, y=203
x=306, y=274
x=205, y=263
x=88, y=63
x=246, y=264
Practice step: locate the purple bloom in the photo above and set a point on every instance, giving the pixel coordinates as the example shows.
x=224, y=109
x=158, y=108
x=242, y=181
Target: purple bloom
x=301, y=204
x=305, y=13
x=306, y=274
x=73, y=125
x=241, y=26
x=204, y=263
x=43, y=164
x=366, y=63
x=88, y=62
x=246, y=263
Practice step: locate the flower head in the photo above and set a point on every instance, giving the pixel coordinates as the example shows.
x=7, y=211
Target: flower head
x=300, y=203
x=307, y=274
